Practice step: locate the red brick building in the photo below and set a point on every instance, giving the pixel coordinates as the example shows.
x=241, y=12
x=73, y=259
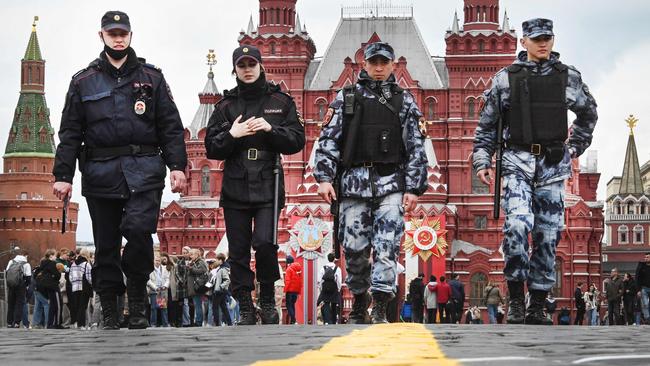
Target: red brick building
x=627, y=214
x=448, y=90
x=30, y=215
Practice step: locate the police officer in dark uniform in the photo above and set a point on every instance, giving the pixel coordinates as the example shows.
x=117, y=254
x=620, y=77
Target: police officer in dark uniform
x=121, y=122
x=249, y=128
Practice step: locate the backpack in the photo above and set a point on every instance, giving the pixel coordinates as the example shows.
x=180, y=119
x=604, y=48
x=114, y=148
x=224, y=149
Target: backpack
x=15, y=275
x=329, y=280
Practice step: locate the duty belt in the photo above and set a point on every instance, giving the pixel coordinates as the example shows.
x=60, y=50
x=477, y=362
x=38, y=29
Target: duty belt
x=115, y=151
x=254, y=154
x=535, y=149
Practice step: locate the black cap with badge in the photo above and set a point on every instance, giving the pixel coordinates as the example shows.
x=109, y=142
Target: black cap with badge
x=246, y=51
x=116, y=20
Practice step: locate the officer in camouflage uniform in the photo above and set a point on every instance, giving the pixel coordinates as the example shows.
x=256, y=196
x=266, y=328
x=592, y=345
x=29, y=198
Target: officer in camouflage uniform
x=533, y=95
x=373, y=147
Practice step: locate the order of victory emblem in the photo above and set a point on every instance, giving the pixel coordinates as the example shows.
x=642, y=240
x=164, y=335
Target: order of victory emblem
x=426, y=237
x=310, y=239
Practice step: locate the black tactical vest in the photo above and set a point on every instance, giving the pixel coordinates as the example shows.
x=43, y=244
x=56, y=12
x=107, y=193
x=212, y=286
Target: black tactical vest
x=538, y=110
x=379, y=137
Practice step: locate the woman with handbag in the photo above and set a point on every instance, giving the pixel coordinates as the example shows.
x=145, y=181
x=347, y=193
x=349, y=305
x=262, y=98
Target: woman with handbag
x=197, y=278
x=157, y=289
x=250, y=127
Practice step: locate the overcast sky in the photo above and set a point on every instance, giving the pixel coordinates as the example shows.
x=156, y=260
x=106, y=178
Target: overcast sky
x=607, y=41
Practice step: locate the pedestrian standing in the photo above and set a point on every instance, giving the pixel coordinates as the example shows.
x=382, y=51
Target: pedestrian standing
x=457, y=298
x=220, y=277
x=81, y=288
x=532, y=97
x=443, y=292
x=329, y=284
x=431, y=299
x=157, y=289
x=197, y=277
x=614, y=295
x=643, y=281
x=17, y=275
x=416, y=292
x=492, y=295
x=629, y=298
x=578, y=297
x=292, y=287
x=590, y=305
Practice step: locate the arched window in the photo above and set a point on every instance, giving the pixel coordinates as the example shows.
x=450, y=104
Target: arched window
x=630, y=208
x=205, y=181
x=431, y=109
x=471, y=109
x=477, y=284
x=623, y=234
x=273, y=48
x=639, y=234
x=643, y=208
x=322, y=109
x=481, y=46
x=557, y=288
x=493, y=45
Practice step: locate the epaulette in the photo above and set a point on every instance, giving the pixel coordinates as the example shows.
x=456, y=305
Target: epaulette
x=94, y=64
x=149, y=66
x=573, y=68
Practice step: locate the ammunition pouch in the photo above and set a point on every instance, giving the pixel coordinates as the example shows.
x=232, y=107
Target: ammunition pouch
x=554, y=153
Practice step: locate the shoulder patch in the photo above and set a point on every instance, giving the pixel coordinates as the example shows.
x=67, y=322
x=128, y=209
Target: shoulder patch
x=93, y=65
x=300, y=119
x=328, y=116
x=422, y=126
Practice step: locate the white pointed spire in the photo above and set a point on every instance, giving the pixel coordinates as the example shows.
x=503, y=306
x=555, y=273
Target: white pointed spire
x=506, y=22
x=251, y=26
x=298, y=29
x=455, y=28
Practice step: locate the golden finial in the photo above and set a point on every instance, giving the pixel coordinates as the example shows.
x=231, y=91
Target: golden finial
x=212, y=59
x=631, y=123
x=34, y=23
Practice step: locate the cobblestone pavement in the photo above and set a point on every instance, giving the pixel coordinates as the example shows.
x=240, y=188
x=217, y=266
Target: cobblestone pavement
x=469, y=344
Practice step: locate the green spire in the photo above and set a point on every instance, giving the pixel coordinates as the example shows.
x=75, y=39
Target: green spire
x=31, y=134
x=33, y=52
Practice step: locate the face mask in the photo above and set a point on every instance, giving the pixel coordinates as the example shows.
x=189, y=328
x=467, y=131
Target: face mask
x=116, y=54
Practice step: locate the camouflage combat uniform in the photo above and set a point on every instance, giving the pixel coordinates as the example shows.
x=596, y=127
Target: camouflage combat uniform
x=372, y=215
x=533, y=198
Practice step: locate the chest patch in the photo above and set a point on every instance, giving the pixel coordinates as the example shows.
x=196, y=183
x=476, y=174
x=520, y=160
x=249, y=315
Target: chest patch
x=273, y=111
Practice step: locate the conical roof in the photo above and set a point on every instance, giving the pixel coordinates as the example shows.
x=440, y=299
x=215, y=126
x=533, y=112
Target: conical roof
x=31, y=133
x=33, y=52
x=631, y=182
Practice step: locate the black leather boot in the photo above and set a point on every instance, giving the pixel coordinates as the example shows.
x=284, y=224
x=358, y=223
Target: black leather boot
x=269, y=314
x=535, y=312
x=136, y=291
x=108, y=304
x=246, y=307
x=516, y=303
x=379, y=305
x=359, y=313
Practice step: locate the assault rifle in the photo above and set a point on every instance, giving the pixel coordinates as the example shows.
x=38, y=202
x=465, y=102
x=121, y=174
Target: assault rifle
x=499, y=156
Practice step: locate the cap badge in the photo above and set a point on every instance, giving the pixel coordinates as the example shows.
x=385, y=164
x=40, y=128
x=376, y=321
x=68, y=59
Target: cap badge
x=116, y=18
x=245, y=49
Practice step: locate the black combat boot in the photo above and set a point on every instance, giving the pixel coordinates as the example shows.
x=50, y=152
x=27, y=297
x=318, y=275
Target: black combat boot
x=535, y=312
x=109, y=311
x=359, y=313
x=379, y=305
x=136, y=291
x=266, y=302
x=246, y=307
x=516, y=304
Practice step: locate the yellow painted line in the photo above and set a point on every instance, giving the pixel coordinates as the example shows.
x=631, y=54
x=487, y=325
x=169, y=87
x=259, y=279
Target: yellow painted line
x=394, y=344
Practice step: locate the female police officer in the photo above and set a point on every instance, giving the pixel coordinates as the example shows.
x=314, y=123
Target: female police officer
x=249, y=127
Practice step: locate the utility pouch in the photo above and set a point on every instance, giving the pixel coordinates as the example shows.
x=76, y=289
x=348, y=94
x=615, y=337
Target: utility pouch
x=349, y=104
x=554, y=153
x=384, y=141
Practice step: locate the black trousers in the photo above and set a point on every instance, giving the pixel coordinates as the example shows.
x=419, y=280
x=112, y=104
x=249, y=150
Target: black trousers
x=16, y=297
x=135, y=219
x=417, y=312
x=219, y=303
x=431, y=315
x=78, y=305
x=443, y=311
x=614, y=312
x=55, y=314
x=456, y=310
x=241, y=236
x=580, y=316
x=329, y=312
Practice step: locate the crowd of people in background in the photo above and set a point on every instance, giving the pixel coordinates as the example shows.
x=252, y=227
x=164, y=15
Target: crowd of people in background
x=188, y=290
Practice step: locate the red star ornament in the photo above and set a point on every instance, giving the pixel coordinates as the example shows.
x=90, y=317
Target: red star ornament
x=426, y=237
